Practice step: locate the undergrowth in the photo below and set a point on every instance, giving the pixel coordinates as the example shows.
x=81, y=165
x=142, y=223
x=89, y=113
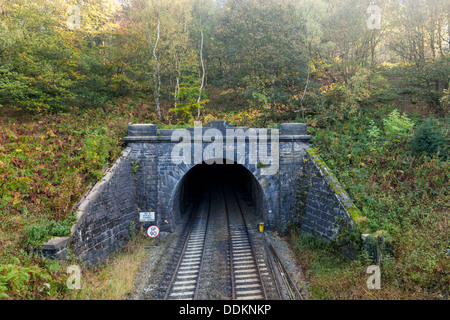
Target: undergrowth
x=46, y=163
x=397, y=171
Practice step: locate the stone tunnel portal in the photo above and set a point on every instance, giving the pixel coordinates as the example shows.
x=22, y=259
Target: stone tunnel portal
x=214, y=178
x=145, y=178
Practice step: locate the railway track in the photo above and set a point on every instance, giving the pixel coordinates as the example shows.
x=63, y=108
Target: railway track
x=245, y=271
x=185, y=280
x=289, y=284
x=256, y=272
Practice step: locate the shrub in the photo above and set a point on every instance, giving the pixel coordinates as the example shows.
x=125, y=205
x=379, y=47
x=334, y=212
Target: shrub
x=429, y=139
x=374, y=135
x=30, y=282
x=38, y=233
x=397, y=128
x=12, y=89
x=96, y=152
x=445, y=102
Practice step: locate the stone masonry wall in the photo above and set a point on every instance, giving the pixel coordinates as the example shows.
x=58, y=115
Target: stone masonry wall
x=144, y=161
x=106, y=217
x=170, y=177
x=324, y=207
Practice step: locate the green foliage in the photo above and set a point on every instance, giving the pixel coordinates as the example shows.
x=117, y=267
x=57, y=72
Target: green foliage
x=402, y=194
x=445, y=101
x=135, y=167
x=311, y=241
x=396, y=129
x=30, y=281
x=431, y=79
x=14, y=278
x=357, y=88
x=348, y=97
x=374, y=134
x=377, y=246
x=263, y=54
x=96, y=152
x=46, y=66
x=38, y=233
x=11, y=87
x=429, y=139
x=187, y=106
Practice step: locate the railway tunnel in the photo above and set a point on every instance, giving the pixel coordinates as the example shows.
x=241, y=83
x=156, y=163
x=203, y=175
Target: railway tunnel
x=150, y=177
x=214, y=179
x=217, y=204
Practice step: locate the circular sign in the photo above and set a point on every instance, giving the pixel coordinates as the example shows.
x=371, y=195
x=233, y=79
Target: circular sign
x=153, y=231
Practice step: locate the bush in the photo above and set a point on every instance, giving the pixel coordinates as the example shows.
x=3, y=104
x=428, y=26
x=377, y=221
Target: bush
x=30, y=282
x=38, y=233
x=445, y=102
x=96, y=152
x=12, y=89
x=397, y=129
x=429, y=139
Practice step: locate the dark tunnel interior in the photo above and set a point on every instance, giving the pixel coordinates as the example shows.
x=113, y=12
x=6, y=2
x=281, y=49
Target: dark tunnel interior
x=206, y=177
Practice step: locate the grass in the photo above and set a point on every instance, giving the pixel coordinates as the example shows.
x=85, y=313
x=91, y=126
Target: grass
x=332, y=277
x=115, y=278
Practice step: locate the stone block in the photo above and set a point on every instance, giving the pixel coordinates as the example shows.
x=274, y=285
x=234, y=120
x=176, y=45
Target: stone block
x=293, y=129
x=142, y=130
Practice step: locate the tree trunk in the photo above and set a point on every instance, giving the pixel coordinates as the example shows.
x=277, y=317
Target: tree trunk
x=156, y=75
x=203, y=76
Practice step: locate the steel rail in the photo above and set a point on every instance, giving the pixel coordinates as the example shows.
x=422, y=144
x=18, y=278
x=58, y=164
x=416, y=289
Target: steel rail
x=203, y=249
x=183, y=251
x=286, y=276
x=272, y=269
x=263, y=290
x=230, y=249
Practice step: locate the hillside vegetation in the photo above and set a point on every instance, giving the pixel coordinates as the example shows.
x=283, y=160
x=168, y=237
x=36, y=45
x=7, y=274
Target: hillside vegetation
x=375, y=98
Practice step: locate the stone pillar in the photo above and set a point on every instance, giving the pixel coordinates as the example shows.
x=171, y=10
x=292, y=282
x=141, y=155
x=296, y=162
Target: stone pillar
x=139, y=130
x=293, y=129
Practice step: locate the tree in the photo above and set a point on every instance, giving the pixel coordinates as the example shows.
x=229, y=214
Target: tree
x=262, y=48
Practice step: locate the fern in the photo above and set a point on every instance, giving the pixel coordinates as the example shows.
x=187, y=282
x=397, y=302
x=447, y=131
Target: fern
x=3, y=288
x=15, y=278
x=398, y=127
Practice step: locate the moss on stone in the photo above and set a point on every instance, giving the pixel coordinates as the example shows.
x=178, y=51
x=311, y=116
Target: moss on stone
x=351, y=208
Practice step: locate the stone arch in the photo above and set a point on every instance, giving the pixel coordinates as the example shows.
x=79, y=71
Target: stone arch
x=254, y=188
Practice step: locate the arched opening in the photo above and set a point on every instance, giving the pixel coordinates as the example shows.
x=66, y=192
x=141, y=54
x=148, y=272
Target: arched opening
x=212, y=178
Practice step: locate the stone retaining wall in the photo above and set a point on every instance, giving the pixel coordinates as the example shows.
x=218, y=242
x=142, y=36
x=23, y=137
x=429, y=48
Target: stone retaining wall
x=325, y=209
x=106, y=217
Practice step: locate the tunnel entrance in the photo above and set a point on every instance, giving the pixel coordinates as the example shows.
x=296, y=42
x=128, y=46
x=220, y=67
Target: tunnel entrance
x=206, y=178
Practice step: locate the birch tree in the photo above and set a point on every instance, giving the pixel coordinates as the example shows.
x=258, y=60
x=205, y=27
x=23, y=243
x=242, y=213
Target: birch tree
x=156, y=70
x=203, y=75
